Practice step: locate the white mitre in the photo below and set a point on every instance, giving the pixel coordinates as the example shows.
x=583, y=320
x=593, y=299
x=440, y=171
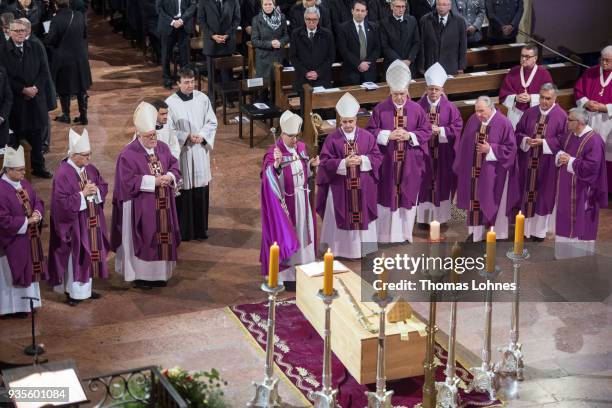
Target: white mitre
x=78, y=143
x=145, y=117
x=13, y=158
x=347, y=106
x=398, y=76
x=290, y=123
x=436, y=75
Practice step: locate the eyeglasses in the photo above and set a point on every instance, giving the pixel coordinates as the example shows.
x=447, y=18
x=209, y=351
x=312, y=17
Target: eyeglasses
x=18, y=169
x=84, y=154
x=19, y=31
x=312, y=20
x=572, y=120
x=523, y=56
x=399, y=6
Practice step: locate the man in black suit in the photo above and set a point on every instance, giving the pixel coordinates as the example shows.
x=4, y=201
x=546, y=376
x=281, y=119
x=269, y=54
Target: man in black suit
x=359, y=47
x=443, y=39
x=399, y=35
x=312, y=52
x=175, y=26
x=219, y=20
x=418, y=8
x=6, y=102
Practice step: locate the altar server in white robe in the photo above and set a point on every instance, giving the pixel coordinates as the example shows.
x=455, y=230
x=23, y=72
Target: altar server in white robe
x=347, y=185
x=193, y=117
x=21, y=257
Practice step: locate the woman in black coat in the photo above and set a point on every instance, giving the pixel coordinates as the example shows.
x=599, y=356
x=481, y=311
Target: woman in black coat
x=296, y=15
x=269, y=38
x=33, y=11
x=67, y=40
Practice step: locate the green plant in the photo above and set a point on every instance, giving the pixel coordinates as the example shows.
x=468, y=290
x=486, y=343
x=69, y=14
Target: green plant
x=201, y=389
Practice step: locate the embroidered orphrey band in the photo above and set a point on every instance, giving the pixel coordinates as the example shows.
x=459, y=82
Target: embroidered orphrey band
x=475, y=215
x=36, y=251
x=353, y=186
x=532, y=168
x=162, y=207
x=399, y=155
x=434, y=144
x=93, y=227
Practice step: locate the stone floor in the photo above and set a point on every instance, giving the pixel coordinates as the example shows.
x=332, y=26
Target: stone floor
x=567, y=347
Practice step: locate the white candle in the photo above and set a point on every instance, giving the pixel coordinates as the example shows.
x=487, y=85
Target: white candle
x=434, y=231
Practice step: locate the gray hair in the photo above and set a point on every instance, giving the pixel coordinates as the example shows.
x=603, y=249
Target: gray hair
x=607, y=50
x=25, y=22
x=487, y=101
x=20, y=22
x=317, y=3
x=580, y=114
x=312, y=10
x=549, y=86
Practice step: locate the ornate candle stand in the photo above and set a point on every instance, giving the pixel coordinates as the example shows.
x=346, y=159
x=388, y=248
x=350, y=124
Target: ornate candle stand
x=326, y=397
x=381, y=398
x=484, y=375
x=266, y=392
x=512, y=360
x=447, y=392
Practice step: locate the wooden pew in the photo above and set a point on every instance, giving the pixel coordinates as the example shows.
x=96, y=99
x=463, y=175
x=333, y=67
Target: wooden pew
x=564, y=75
x=496, y=54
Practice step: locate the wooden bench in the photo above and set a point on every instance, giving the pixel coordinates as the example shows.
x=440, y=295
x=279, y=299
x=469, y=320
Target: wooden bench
x=564, y=75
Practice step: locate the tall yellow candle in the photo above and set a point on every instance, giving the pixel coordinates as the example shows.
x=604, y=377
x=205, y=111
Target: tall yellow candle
x=491, y=239
x=273, y=268
x=519, y=233
x=328, y=273
x=384, y=278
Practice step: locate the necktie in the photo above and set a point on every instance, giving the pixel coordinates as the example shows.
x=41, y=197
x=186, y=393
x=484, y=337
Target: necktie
x=399, y=20
x=219, y=5
x=310, y=35
x=20, y=51
x=362, y=44
x=441, y=21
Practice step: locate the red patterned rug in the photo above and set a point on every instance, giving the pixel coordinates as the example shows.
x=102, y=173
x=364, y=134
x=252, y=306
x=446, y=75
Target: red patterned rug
x=298, y=353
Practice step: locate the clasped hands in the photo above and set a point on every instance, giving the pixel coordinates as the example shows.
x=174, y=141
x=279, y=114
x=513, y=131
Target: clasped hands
x=563, y=159
x=483, y=147
x=353, y=160
x=177, y=23
x=195, y=139
x=163, y=181
x=30, y=92
x=276, y=44
x=594, y=106
x=363, y=66
x=220, y=39
x=399, y=134
x=34, y=218
x=523, y=97
x=534, y=142
x=89, y=189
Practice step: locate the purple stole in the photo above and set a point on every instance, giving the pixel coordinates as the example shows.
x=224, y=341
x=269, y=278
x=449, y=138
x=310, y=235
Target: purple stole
x=584, y=141
x=353, y=185
x=93, y=226
x=286, y=162
x=162, y=207
x=475, y=213
x=36, y=251
x=399, y=155
x=532, y=169
x=434, y=144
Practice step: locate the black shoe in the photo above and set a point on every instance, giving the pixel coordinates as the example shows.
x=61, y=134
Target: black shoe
x=422, y=225
x=537, y=239
x=63, y=118
x=72, y=302
x=159, y=284
x=289, y=286
x=144, y=285
x=82, y=120
x=95, y=295
x=42, y=173
x=168, y=84
x=470, y=238
x=20, y=315
x=45, y=149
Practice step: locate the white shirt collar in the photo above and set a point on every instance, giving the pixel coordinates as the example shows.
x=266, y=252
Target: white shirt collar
x=586, y=130
x=15, y=184
x=312, y=31
x=149, y=151
x=291, y=150
x=433, y=103
x=444, y=19
x=546, y=112
x=492, y=116
x=349, y=136
x=78, y=169
x=398, y=106
x=362, y=24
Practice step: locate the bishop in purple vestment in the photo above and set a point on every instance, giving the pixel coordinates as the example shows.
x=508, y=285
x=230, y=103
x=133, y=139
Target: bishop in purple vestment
x=402, y=132
x=521, y=87
x=439, y=181
x=581, y=186
x=287, y=217
x=79, y=244
x=145, y=230
x=593, y=92
x=486, y=153
x=538, y=134
x=22, y=263
x=347, y=185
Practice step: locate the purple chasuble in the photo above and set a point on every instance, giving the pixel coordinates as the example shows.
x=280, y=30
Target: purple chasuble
x=535, y=174
x=332, y=153
x=582, y=194
x=415, y=158
x=152, y=215
x=18, y=247
x=447, y=116
x=70, y=229
x=278, y=218
x=512, y=84
x=490, y=182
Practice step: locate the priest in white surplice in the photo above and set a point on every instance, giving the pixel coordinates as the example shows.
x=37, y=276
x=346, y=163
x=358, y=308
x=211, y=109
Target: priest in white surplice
x=21, y=257
x=347, y=186
x=145, y=231
x=193, y=117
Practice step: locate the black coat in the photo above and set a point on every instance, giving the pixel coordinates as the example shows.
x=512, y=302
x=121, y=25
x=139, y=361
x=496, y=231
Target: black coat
x=348, y=38
x=224, y=23
x=340, y=11
x=316, y=55
x=67, y=41
x=418, y=8
x=26, y=71
x=6, y=102
x=447, y=45
x=296, y=17
x=400, y=40
x=34, y=14
x=262, y=36
x=166, y=10
x=248, y=10
x=504, y=12
x=50, y=85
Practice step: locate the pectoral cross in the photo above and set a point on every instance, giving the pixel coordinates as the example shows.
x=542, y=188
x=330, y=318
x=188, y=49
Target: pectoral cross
x=601, y=92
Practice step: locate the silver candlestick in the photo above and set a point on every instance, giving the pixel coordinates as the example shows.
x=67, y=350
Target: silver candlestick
x=326, y=397
x=381, y=398
x=484, y=376
x=266, y=392
x=512, y=360
x=447, y=391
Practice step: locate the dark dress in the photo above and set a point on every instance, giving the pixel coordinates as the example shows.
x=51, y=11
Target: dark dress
x=265, y=54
